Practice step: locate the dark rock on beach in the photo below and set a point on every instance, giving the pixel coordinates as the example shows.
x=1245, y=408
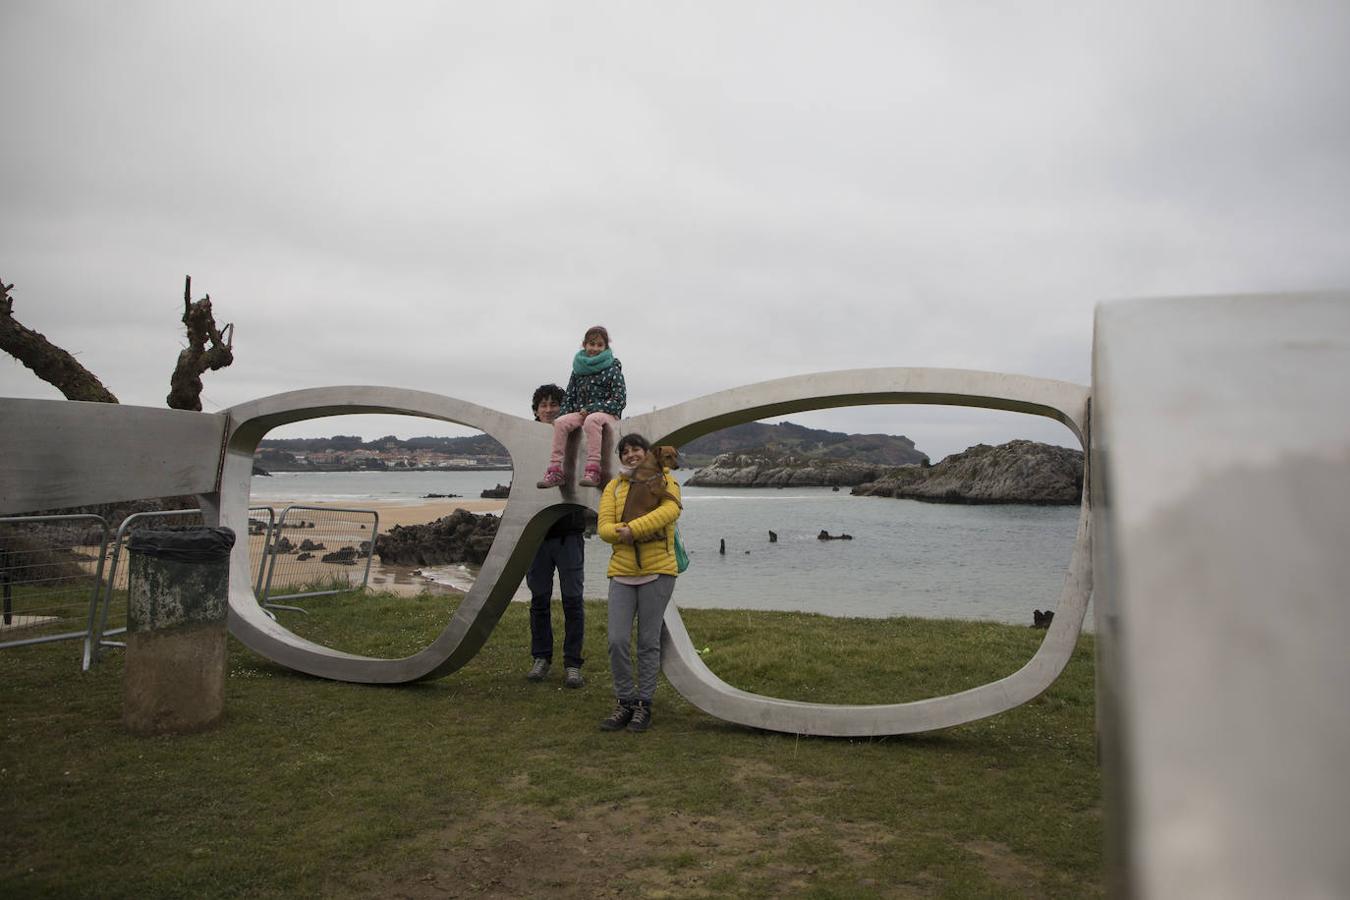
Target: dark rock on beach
x=1015, y=472
x=461, y=537
x=346, y=556
x=500, y=492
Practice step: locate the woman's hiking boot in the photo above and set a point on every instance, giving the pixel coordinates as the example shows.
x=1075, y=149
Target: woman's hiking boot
x=591, y=478
x=622, y=715
x=552, y=478
x=641, y=719
x=573, y=678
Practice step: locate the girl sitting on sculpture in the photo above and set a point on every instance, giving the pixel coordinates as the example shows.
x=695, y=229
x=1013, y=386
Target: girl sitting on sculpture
x=595, y=398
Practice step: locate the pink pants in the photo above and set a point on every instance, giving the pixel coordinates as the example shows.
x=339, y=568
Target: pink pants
x=593, y=427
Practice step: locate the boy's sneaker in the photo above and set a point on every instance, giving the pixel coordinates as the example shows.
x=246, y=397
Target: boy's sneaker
x=552, y=478
x=641, y=719
x=591, y=478
x=573, y=678
x=538, y=670
x=622, y=715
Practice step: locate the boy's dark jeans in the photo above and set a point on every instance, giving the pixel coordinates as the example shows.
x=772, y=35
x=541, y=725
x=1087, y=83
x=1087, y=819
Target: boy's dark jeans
x=568, y=555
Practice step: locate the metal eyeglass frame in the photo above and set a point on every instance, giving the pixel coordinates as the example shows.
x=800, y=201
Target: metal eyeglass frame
x=530, y=512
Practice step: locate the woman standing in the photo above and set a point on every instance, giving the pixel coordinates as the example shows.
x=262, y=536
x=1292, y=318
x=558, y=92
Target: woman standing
x=642, y=575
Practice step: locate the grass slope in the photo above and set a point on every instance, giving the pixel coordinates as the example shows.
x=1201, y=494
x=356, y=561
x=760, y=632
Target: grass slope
x=481, y=784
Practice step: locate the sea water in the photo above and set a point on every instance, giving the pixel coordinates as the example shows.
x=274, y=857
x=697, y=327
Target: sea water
x=905, y=558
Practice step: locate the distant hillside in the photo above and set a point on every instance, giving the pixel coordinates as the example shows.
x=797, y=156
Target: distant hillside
x=473, y=445
x=772, y=440
x=349, y=453
x=807, y=443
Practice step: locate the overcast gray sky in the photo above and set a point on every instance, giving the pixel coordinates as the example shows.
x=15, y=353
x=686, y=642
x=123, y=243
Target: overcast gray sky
x=442, y=196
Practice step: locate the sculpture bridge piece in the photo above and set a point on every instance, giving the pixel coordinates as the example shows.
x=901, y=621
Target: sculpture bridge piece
x=1216, y=512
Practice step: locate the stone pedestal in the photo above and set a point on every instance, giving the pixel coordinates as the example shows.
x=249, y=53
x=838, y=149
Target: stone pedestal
x=177, y=603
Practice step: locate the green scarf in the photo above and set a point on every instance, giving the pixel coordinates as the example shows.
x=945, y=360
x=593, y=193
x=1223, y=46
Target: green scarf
x=589, y=365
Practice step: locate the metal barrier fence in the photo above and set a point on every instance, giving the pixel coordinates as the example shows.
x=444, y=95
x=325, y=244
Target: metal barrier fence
x=260, y=542
x=116, y=580
x=110, y=618
x=314, y=550
x=57, y=571
x=50, y=571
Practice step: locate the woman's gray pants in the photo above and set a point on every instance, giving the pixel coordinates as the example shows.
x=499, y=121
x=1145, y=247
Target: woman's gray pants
x=648, y=603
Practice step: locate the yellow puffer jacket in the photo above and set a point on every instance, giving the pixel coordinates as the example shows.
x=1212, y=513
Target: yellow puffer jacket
x=654, y=531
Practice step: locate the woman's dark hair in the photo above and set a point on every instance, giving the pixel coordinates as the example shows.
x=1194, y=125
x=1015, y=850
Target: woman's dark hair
x=545, y=391
x=632, y=440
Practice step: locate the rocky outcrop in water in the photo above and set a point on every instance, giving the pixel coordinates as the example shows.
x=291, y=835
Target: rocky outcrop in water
x=768, y=468
x=460, y=537
x=1015, y=472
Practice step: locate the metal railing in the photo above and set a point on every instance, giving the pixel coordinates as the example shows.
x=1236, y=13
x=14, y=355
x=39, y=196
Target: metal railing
x=258, y=549
x=50, y=573
x=313, y=548
x=55, y=570
x=100, y=632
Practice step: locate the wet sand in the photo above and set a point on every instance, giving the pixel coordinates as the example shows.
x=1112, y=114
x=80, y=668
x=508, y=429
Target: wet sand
x=405, y=581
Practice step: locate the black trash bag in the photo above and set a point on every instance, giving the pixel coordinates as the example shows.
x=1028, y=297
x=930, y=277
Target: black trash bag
x=192, y=544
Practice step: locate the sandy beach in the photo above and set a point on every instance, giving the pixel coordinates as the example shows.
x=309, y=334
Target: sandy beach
x=394, y=513
x=406, y=580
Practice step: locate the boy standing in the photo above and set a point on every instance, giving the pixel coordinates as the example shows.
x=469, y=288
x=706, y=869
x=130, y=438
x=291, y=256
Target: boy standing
x=564, y=549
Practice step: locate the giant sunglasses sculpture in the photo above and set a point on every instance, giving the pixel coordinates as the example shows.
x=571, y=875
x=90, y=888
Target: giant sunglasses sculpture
x=59, y=454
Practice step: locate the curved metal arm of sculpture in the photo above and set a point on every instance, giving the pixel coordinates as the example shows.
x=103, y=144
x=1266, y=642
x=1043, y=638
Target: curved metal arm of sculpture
x=109, y=453
x=529, y=512
x=685, y=670
x=1066, y=403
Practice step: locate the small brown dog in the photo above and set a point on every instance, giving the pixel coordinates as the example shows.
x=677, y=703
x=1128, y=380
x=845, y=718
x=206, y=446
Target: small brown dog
x=647, y=487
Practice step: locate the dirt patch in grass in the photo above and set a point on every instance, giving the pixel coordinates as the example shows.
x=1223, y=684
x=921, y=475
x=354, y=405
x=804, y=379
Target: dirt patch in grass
x=1005, y=868
x=758, y=773
x=625, y=849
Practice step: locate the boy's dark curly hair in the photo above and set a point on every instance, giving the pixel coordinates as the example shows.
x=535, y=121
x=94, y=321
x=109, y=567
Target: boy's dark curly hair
x=543, y=391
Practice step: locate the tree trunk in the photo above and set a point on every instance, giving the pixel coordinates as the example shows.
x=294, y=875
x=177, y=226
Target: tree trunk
x=185, y=385
x=48, y=361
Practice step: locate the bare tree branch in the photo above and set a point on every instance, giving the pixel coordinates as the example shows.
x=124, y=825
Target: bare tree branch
x=185, y=385
x=48, y=361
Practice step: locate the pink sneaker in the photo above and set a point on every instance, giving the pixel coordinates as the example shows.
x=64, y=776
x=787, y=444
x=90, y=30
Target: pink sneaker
x=591, y=478
x=552, y=478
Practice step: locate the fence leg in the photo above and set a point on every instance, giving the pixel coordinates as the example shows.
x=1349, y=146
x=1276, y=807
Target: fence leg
x=8, y=589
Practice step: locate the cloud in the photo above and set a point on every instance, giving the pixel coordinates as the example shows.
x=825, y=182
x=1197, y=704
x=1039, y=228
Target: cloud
x=443, y=197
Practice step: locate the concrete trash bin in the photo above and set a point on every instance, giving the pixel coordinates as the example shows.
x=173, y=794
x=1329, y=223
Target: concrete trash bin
x=177, y=603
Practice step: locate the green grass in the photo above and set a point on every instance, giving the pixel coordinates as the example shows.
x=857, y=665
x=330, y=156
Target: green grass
x=481, y=784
